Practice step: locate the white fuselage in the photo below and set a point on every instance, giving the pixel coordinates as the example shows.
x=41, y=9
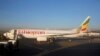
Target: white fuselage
x=44, y=34
x=31, y=33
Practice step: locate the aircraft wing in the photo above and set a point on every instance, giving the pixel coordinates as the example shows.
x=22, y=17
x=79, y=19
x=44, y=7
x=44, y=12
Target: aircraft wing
x=57, y=35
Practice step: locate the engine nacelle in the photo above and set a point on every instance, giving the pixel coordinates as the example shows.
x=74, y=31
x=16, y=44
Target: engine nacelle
x=41, y=39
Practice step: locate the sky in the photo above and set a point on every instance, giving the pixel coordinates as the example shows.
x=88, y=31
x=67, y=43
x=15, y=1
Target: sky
x=61, y=14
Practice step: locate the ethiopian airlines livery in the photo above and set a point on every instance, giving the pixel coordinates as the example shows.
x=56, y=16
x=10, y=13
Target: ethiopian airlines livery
x=44, y=35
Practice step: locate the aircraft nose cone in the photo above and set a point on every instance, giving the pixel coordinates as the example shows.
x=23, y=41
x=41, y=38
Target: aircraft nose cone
x=4, y=34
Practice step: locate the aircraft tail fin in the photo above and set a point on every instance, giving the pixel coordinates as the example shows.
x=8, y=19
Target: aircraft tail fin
x=84, y=26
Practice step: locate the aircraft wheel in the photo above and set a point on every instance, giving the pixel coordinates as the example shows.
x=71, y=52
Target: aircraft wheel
x=70, y=40
x=50, y=40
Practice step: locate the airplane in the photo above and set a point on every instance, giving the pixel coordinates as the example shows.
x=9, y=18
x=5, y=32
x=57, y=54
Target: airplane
x=46, y=35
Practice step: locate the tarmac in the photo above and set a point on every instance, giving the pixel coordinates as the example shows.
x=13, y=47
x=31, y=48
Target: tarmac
x=79, y=47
